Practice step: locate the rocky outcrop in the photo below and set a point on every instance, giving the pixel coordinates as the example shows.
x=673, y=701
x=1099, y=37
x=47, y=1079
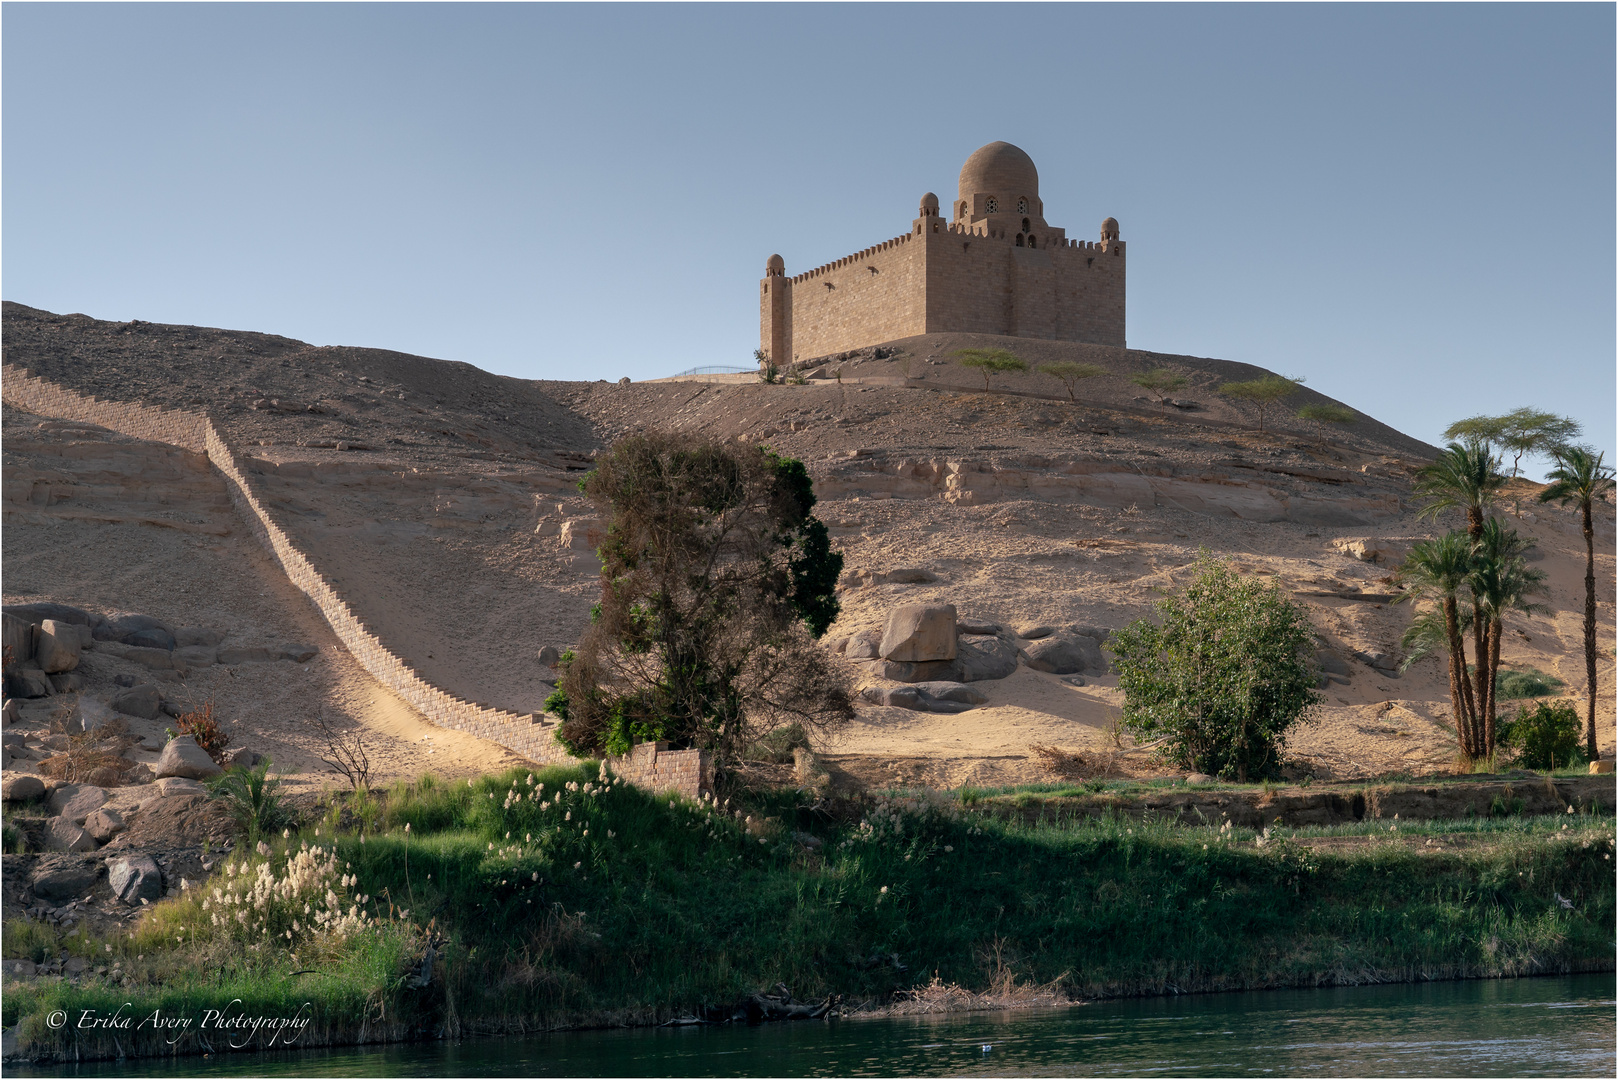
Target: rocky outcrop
x=182, y=757
x=919, y=632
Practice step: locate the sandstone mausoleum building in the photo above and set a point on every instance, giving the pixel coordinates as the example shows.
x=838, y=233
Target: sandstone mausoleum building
x=988, y=265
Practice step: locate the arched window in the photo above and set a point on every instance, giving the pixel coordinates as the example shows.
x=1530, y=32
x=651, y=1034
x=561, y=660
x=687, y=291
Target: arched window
x=1031, y=242
x=992, y=205
x=1019, y=239
x=1022, y=208
x=1024, y=224
x=964, y=208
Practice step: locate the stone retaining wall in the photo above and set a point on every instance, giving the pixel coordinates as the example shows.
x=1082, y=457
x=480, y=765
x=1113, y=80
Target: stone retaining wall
x=533, y=736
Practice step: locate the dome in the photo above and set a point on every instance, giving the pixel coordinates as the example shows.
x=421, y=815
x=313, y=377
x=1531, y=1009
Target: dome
x=929, y=201
x=999, y=168
x=776, y=267
x=1109, y=229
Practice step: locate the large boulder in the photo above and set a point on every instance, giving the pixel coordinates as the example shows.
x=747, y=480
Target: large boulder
x=75, y=802
x=1066, y=656
x=919, y=632
x=864, y=645
x=906, y=671
x=195, y=656
x=62, y=835
x=21, y=787
x=916, y=698
x=981, y=658
x=176, y=786
x=184, y=758
x=104, y=824
x=122, y=627
x=28, y=682
x=19, y=634
x=143, y=701
x=58, y=879
x=56, y=646
x=952, y=691
x=134, y=878
x=153, y=638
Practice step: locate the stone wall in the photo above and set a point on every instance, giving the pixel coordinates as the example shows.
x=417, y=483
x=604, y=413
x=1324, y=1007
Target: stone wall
x=950, y=279
x=532, y=736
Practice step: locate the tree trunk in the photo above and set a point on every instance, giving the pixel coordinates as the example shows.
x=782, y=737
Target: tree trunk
x=1459, y=691
x=1485, y=679
x=1474, y=521
x=1494, y=672
x=1590, y=631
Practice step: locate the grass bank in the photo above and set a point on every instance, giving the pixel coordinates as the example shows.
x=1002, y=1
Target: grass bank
x=554, y=898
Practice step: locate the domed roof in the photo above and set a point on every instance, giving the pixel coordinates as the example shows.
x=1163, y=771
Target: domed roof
x=775, y=267
x=929, y=201
x=1109, y=229
x=1002, y=168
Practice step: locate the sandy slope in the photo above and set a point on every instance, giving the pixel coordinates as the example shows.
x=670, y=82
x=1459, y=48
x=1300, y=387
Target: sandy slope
x=441, y=518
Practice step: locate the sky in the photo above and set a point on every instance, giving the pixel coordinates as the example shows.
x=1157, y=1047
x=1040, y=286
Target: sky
x=1411, y=206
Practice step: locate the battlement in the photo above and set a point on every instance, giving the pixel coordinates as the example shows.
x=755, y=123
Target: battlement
x=849, y=260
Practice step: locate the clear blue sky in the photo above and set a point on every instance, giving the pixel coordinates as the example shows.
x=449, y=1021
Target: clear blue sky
x=1412, y=206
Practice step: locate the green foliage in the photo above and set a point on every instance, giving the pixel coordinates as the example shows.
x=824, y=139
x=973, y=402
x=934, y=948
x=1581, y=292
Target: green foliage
x=1263, y=392
x=1522, y=431
x=716, y=578
x=990, y=362
x=1466, y=477
x=253, y=800
x=767, y=372
x=590, y=898
x=12, y=841
x=1512, y=685
x=1159, y=382
x=1322, y=413
x=1071, y=373
x=1545, y=736
x=1223, y=677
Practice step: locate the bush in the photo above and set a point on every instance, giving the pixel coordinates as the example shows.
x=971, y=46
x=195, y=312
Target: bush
x=252, y=799
x=202, y=725
x=1546, y=736
x=1531, y=683
x=1223, y=678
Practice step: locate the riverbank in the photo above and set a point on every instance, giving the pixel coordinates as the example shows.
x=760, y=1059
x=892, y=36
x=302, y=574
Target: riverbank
x=562, y=899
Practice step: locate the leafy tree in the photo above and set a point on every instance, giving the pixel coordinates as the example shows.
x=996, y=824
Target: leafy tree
x=1223, y=677
x=1545, y=736
x=990, y=362
x=1160, y=382
x=1071, y=373
x=1262, y=392
x=1321, y=413
x=1466, y=477
x=1522, y=431
x=1580, y=478
x=716, y=578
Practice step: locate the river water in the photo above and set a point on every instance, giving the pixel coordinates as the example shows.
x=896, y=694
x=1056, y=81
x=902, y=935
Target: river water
x=1554, y=1026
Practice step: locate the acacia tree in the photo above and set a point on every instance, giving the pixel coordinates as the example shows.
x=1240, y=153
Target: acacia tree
x=1580, y=478
x=1522, y=431
x=715, y=580
x=1071, y=373
x=1321, y=413
x=1263, y=392
x=1223, y=677
x=1159, y=382
x=990, y=362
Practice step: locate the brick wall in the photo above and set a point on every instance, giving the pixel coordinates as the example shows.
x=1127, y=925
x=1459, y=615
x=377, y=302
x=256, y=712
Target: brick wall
x=878, y=294
x=532, y=736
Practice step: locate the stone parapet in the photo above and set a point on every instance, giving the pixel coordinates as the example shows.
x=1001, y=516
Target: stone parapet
x=530, y=735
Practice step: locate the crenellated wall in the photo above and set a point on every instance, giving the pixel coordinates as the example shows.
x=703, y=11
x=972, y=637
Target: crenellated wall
x=532, y=736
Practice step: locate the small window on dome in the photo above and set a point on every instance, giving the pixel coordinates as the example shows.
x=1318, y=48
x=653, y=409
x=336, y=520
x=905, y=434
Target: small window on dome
x=1022, y=206
x=963, y=209
x=992, y=205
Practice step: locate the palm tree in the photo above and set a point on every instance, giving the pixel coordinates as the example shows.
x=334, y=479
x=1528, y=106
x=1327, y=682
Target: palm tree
x=1581, y=478
x=1500, y=581
x=1465, y=477
x=1437, y=570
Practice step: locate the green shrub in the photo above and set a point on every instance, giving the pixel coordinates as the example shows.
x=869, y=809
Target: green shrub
x=1547, y=736
x=1222, y=678
x=252, y=798
x=1510, y=685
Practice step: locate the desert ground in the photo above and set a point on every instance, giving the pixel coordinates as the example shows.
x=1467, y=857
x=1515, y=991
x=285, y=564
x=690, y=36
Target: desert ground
x=441, y=501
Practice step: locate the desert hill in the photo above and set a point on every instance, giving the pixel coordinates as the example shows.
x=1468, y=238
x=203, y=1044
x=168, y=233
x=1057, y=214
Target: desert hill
x=440, y=501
